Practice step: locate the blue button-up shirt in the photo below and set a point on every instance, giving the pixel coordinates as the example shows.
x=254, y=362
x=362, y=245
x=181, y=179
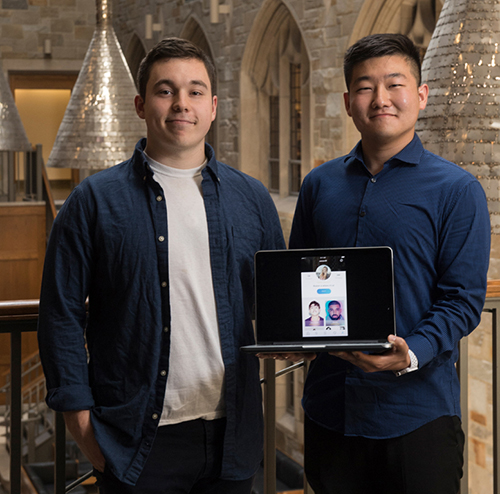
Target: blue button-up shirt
x=434, y=216
x=105, y=245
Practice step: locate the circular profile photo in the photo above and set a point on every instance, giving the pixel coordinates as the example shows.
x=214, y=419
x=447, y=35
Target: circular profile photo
x=323, y=272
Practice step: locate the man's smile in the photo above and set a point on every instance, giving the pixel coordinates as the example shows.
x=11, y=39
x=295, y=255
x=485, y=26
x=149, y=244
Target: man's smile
x=180, y=121
x=384, y=114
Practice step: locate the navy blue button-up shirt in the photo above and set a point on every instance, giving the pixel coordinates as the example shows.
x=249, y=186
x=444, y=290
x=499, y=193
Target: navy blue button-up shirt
x=104, y=245
x=434, y=216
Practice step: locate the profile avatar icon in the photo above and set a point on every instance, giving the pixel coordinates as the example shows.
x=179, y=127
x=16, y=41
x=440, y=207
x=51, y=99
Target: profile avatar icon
x=323, y=272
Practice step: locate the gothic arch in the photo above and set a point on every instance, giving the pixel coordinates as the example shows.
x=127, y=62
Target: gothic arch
x=134, y=54
x=275, y=42
x=386, y=16
x=194, y=32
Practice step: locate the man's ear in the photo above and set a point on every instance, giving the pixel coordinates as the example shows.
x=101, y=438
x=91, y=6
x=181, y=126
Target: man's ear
x=347, y=104
x=139, y=106
x=214, y=107
x=423, y=93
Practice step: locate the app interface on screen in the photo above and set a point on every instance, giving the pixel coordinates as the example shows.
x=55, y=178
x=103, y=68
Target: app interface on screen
x=324, y=301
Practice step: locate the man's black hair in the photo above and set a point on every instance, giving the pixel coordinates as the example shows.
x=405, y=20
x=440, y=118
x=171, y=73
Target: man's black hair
x=381, y=45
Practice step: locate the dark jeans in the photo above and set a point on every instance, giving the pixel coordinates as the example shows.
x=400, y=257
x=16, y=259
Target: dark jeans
x=186, y=458
x=426, y=461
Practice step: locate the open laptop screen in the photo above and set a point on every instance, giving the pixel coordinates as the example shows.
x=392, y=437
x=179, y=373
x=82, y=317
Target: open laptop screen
x=324, y=294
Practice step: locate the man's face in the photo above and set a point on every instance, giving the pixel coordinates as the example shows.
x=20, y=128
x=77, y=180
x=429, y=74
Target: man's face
x=335, y=311
x=314, y=310
x=179, y=107
x=384, y=100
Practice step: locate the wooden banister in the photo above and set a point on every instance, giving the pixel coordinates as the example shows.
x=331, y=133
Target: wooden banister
x=19, y=309
x=493, y=289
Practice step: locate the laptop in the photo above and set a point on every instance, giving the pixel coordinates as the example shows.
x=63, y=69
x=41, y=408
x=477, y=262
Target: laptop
x=323, y=300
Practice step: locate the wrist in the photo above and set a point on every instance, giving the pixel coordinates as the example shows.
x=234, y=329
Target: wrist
x=412, y=367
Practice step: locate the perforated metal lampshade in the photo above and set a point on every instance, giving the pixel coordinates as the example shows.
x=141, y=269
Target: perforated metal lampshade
x=100, y=127
x=462, y=118
x=12, y=134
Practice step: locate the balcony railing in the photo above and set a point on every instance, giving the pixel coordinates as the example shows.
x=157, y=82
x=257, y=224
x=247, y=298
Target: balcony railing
x=17, y=317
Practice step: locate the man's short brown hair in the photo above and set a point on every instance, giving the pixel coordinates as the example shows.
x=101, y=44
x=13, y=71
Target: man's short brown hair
x=173, y=48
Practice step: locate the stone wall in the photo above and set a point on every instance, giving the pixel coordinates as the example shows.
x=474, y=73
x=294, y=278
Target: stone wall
x=480, y=413
x=25, y=25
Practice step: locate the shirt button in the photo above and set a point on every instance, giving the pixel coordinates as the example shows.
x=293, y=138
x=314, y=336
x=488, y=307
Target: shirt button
x=165, y=329
x=161, y=238
x=373, y=180
x=163, y=373
x=154, y=416
x=159, y=198
x=363, y=213
x=163, y=284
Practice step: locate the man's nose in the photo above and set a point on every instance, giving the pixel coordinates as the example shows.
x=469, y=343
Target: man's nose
x=380, y=97
x=181, y=102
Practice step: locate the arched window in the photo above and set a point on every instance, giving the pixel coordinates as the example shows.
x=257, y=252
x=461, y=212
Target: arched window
x=275, y=102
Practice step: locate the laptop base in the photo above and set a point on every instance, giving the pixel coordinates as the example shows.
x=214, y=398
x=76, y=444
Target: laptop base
x=374, y=347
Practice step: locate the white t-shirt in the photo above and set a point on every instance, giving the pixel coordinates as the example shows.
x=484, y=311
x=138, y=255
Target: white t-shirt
x=195, y=384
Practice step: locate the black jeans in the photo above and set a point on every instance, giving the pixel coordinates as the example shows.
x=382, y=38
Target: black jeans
x=428, y=460
x=185, y=458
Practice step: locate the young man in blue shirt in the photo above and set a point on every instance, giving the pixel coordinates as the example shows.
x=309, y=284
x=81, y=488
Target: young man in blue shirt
x=390, y=423
x=162, y=245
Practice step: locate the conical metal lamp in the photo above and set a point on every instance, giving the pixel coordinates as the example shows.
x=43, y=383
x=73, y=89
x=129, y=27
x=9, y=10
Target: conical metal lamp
x=12, y=134
x=462, y=118
x=100, y=127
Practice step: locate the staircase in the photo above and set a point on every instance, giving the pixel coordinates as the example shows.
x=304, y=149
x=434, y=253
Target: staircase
x=37, y=418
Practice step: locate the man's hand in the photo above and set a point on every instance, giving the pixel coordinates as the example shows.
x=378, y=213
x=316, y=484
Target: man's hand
x=81, y=429
x=293, y=357
x=395, y=359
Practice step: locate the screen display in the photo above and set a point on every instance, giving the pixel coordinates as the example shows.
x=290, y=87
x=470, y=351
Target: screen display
x=324, y=297
x=331, y=294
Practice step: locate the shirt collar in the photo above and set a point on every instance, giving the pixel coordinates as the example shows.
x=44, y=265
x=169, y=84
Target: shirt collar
x=410, y=154
x=141, y=163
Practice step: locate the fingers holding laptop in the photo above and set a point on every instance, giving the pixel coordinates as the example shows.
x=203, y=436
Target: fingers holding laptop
x=294, y=357
x=395, y=359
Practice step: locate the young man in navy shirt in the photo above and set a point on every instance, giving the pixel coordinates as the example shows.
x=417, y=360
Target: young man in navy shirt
x=162, y=245
x=390, y=423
